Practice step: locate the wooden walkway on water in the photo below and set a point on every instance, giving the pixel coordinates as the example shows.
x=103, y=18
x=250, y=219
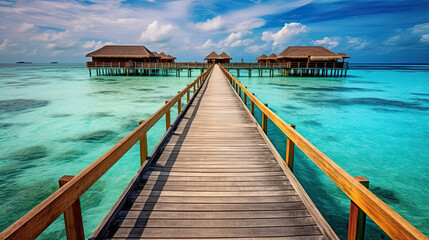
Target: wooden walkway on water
x=217, y=177
x=214, y=175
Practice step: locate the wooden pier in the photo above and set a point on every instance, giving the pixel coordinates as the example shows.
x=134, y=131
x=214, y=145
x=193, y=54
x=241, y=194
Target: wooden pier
x=320, y=69
x=214, y=175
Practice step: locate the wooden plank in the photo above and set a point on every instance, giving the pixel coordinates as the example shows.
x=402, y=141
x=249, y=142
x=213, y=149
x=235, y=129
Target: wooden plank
x=217, y=232
x=202, y=199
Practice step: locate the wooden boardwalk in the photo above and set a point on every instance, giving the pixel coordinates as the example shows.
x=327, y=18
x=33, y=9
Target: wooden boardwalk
x=217, y=177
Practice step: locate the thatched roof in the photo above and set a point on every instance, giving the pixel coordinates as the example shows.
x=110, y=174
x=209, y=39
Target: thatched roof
x=156, y=54
x=171, y=57
x=163, y=55
x=121, y=51
x=272, y=56
x=262, y=57
x=343, y=55
x=315, y=53
x=224, y=56
x=212, y=55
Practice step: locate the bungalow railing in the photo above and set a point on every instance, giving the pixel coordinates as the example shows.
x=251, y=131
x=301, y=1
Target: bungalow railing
x=362, y=199
x=188, y=65
x=66, y=198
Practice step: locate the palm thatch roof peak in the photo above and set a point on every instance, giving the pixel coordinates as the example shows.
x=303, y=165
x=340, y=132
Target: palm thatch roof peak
x=122, y=51
x=212, y=55
x=225, y=56
x=262, y=57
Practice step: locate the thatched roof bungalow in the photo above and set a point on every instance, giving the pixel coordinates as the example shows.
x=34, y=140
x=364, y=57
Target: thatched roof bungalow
x=123, y=53
x=213, y=57
x=262, y=59
x=308, y=54
x=166, y=58
x=272, y=58
x=225, y=57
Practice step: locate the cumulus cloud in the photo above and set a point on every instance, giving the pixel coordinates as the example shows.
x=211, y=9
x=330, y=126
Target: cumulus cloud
x=24, y=27
x=95, y=45
x=233, y=40
x=416, y=35
x=4, y=44
x=256, y=48
x=329, y=42
x=247, y=24
x=156, y=32
x=214, y=24
x=286, y=34
x=425, y=38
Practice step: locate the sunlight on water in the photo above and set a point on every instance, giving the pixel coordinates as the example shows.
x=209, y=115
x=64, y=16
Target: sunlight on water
x=56, y=120
x=372, y=123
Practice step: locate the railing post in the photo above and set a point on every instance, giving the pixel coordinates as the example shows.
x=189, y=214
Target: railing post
x=167, y=118
x=264, y=120
x=239, y=91
x=252, y=106
x=194, y=90
x=357, y=217
x=187, y=96
x=290, y=150
x=143, y=147
x=179, y=105
x=245, y=98
x=72, y=216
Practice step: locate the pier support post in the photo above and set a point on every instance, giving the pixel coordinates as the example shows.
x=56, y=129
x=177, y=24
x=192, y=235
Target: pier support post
x=179, y=105
x=252, y=106
x=167, y=118
x=357, y=217
x=264, y=120
x=143, y=147
x=290, y=151
x=89, y=72
x=72, y=216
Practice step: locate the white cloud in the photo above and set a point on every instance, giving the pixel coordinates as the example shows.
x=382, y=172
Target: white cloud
x=214, y=24
x=256, y=48
x=329, y=42
x=24, y=27
x=51, y=36
x=356, y=43
x=95, y=45
x=286, y=34
x=4, y=44
x=425, y=38
x=236, y=40
x=156, y=32
x=247, y=25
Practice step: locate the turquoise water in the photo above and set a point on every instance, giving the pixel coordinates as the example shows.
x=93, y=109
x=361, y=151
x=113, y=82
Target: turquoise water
x=374, y=123
x=55, y=120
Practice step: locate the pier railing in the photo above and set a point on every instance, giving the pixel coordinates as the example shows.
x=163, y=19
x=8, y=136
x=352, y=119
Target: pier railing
x=385, y=217
x=66, y=198
x=194, y=65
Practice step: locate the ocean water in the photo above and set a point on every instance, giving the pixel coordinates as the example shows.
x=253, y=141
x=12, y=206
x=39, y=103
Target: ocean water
x=55, y=120
x=373, y=123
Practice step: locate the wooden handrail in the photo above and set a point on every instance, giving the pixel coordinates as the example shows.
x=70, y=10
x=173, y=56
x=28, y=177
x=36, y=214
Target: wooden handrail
x=40, y=217
x=384, y=216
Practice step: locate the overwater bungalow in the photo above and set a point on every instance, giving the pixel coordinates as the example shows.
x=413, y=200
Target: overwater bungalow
x=262, y=59
x=225, y=57
x=166, y=58
x=272, y=58
x=122, y=53
x=308, y=54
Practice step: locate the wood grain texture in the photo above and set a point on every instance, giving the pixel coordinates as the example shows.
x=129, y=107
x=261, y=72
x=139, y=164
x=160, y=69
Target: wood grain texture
x=216, y=177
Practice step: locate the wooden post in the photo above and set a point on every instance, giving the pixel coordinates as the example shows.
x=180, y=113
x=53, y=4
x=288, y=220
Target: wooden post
x=179, y=105
x=72, y=216
x=187, y=96
x=245, y=98
x=290, y=150
x=264, y=120
x=167, y=117
x=252, y=106
x=357, y=217
x=143, y=147
x=194, y=89
x=239, y=91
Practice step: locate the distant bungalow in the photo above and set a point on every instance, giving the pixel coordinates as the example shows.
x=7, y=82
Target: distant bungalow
x=303, y=54
x=213, y=57
x=123, y=53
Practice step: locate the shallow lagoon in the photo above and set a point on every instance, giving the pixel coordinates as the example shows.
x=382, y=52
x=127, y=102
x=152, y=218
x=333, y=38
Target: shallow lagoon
x=374, y=123
x=56, y=120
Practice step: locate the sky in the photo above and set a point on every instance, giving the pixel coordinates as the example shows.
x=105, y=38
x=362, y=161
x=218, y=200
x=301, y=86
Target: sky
x=395, y=31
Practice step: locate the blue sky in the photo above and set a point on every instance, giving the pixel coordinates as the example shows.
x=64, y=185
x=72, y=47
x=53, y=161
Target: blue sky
x=64, y=31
